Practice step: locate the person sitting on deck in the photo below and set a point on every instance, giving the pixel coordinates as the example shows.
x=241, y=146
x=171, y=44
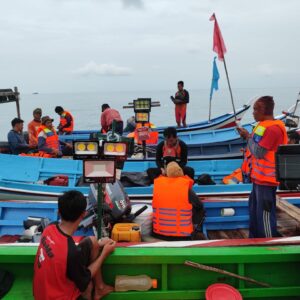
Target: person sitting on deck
x=64, y=270
x=178, y=213
x=33, y=127
x=109, y=115
x=170, y=149
x=16, y=139
x=66, y=124
x=48, y=141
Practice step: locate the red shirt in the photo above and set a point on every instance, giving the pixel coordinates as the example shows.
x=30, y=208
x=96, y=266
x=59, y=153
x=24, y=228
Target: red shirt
x=58, y=269
x=272, y=138
x=108, y=116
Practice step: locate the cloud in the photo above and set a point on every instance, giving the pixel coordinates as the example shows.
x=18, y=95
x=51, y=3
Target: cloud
x=265, y=69
x=92, y=68
x=139, y=4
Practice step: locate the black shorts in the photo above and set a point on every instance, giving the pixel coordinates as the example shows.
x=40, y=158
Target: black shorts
x=85, y=247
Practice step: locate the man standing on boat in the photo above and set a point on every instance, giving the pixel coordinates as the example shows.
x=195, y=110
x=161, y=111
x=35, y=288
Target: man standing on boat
x=262, y=144
x=33, y=127
x=64, y=270
x=181, y=100
x=171, y=149
x=66, y=124
x=109, y=115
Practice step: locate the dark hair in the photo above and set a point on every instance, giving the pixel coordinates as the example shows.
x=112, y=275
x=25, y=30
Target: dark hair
x=71, y=205
x=170, y=132
x=180, y=82
x=294, y=135
x=268, y=104
x=105, y=106
x=59, y=109
x=16, y=121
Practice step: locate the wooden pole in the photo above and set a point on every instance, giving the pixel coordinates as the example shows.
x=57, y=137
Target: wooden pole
x=17, y=94
x=231, y=96
x=212, y=269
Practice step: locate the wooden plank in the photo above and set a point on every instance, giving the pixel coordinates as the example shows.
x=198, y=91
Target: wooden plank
x=290, y=209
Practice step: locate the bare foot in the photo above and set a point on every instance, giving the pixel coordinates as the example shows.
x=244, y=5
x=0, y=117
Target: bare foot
x=103, y=291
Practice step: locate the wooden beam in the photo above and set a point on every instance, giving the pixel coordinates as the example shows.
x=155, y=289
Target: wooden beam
x=290, y=209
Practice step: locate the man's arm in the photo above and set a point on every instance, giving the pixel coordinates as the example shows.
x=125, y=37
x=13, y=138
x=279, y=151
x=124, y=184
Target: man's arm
x=16, y=143
x=256, y=150
x=183, y=154
x=159, y=155
x=69, y=121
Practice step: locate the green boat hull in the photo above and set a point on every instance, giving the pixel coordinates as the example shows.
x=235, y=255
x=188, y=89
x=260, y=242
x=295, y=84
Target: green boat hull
x=276, y=265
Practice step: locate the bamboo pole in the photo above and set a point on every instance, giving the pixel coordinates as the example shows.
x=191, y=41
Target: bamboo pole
x=213, y=269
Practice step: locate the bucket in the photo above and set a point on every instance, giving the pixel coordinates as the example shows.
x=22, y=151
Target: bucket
x=222, y=291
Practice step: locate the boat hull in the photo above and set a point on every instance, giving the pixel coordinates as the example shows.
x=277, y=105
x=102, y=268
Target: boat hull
x=276, y=265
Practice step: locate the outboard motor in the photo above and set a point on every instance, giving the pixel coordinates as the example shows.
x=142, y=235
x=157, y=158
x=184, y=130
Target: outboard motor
x=116, y=207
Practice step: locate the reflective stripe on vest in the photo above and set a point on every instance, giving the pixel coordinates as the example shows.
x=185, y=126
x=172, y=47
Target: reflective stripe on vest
x=172, y=212
x=263, y=169
x=63, y=121
x=172, y=151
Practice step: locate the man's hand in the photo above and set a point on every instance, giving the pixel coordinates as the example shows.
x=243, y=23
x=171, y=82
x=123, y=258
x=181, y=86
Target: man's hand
x=108, y=248
x=163, y=171
x=102, y=242
x=243, y=133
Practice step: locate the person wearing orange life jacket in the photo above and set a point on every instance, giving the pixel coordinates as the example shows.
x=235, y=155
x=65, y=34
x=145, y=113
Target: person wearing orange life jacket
x=177, y=211
x=33, y=127
x=262, y=144
x=66, y=124
x=48, y=141
x=168, y=150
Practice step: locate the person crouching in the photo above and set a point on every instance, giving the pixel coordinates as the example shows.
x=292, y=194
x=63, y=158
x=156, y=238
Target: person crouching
x=177, y=211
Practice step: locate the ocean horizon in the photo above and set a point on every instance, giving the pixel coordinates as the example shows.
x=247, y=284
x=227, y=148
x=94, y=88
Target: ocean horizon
x=86, y=106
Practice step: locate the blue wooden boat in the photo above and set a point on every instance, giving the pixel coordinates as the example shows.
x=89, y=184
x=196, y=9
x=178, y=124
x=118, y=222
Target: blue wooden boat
x=13, y=213
x=224, y=121
x=23, y=177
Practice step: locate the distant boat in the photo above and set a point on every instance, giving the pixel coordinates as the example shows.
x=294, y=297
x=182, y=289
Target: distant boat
x=35, y=93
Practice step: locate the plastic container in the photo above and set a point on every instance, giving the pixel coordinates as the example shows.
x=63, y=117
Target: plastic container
x=222, y=291
x=126, y=232
x=125, y=283
x=144, y=219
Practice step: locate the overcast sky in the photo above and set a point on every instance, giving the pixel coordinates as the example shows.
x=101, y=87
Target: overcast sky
x=91, y=45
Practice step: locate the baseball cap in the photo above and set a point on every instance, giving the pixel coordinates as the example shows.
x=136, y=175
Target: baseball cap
x=45, y=119
x=37, y=111
x=16, y=121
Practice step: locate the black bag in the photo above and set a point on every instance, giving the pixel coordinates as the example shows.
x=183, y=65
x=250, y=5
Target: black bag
x=205, y=179
x=135, y=179
x=6, y=282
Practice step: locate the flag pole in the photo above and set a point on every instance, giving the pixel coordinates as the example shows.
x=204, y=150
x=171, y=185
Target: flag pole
x=231, y=96
x=209, y=114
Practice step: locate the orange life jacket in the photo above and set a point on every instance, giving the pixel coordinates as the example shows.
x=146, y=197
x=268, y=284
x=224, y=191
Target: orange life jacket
x=263, y=170
x=172, y=212
x=63, y=122
x=52, y=140
x=153, y=135
x=172, y=151
x=33, y=127
x=37, y=154
x=235, y=177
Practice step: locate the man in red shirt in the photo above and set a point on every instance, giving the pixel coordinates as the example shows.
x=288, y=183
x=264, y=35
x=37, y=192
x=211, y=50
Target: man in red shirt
x=63, y=270
x=262, y=144
x=33, y=127
x=108, y=116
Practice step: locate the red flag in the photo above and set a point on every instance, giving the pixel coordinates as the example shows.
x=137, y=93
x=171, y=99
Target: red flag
x=218, y=44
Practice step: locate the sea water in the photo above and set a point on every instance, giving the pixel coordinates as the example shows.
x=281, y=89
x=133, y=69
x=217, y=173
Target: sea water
x=86, y=107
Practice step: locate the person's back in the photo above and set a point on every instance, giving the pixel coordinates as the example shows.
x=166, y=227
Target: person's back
x=55, y=255
x=108, y=116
